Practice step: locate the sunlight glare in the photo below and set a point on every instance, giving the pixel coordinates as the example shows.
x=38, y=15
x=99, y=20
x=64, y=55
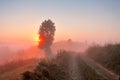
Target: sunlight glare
x=37, y=40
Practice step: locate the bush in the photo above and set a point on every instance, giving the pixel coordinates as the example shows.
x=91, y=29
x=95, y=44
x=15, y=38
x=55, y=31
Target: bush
x=52, y=69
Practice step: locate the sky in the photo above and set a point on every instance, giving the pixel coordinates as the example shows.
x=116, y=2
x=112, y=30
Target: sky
x=80, y=20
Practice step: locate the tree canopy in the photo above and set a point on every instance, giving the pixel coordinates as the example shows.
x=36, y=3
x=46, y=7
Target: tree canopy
x=46, y=34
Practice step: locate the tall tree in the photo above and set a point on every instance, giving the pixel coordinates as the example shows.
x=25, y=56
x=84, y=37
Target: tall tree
x=46, y=35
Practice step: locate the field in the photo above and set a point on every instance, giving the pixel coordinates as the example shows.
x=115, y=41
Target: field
x=15, y=72
x=65, y=65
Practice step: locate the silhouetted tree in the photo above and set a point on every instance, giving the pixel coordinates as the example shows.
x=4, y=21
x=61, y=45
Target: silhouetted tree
x=46, y=35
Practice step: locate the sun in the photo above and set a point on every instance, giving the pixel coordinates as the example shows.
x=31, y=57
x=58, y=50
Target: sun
x=36, y=39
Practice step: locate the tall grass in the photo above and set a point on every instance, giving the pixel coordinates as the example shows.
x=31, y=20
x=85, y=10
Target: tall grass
x=107, y=55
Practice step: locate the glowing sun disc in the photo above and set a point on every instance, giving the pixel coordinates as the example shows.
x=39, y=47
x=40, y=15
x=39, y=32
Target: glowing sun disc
x=37, y=39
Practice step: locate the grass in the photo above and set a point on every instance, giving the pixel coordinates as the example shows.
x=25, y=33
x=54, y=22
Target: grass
x=58, y=69
x=107, y=55
x=16, y=73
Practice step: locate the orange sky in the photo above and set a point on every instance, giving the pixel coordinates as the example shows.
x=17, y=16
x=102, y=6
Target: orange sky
x=92, y=21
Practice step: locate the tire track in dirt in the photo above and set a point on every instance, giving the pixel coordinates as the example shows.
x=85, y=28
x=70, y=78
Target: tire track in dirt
x=74, y=69
x=100, y=70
